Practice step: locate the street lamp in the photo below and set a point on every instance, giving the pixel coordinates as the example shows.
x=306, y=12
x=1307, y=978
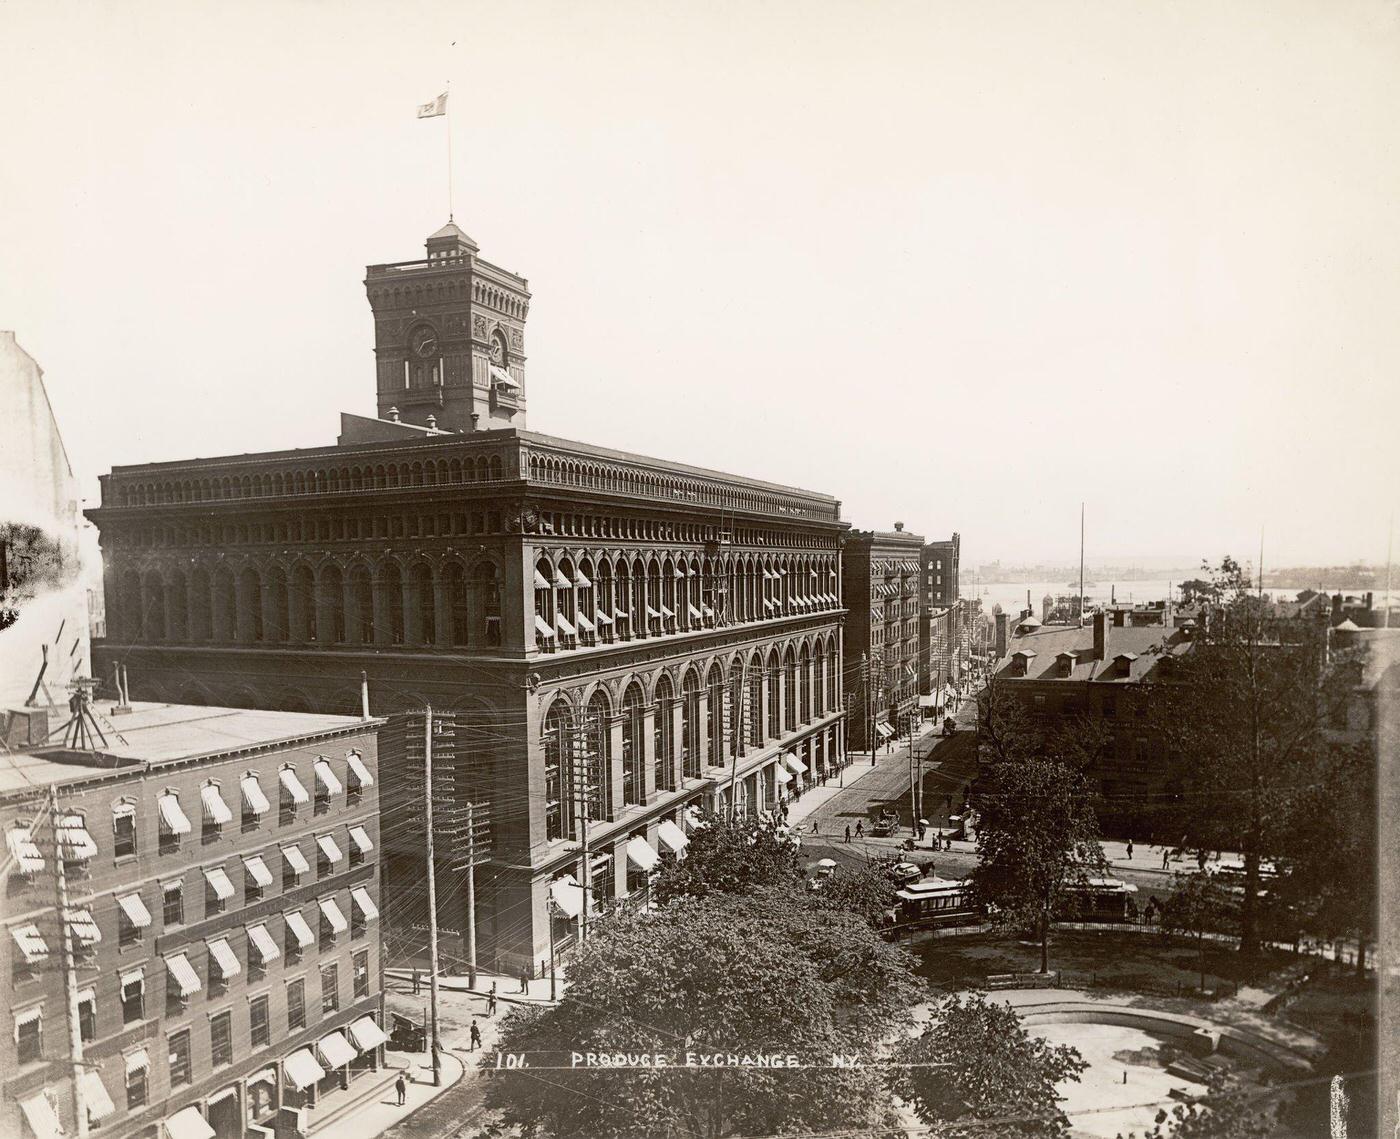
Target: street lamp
x=549, y=906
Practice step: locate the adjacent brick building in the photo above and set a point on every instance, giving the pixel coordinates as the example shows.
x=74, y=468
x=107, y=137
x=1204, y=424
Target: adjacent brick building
x=221, y=876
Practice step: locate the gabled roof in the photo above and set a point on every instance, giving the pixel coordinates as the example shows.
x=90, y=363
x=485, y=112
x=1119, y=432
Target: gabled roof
x=1143, y=646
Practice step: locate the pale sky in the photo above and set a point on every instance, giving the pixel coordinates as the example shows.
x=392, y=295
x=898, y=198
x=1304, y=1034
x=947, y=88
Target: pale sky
x=958, y=264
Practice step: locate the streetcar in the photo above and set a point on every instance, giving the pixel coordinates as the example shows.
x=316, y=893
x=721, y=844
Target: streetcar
x=933, y=903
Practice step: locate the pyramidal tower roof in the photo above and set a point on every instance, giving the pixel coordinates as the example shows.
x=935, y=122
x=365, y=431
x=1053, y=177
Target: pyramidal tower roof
x=450, y=239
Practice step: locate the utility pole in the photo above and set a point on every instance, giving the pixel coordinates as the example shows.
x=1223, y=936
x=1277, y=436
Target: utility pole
x=432, y=888
x=70, y=983
x=1079, y=608
x=471, y=895
x=581, y=751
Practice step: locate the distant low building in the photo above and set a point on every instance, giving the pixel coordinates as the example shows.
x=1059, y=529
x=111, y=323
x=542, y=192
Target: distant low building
x=940, y=622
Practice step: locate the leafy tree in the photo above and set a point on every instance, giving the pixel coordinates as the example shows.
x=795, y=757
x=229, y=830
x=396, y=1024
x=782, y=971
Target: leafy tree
x=1037, y=839
x=1198, y=589
x=775, y=973
x=1242, y=716
x=1228, y=1112
x=1197, y=905
x=975, y=1071
x=730, y=856
x=863, y=888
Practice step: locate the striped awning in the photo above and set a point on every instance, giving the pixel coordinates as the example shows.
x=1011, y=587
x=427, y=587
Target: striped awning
x=331, y=912
x=225, y=958
x=24, y=850
x=358, y=769
x=300, y=930
x=135, y=910
x=302, y=1069
x=215, y=809
x=364, y=903
x=185, y=977
x=32, y=946
x=261, y=940
x=326, y=777
x=257, y=870
x=292, y=785
x=253, y=796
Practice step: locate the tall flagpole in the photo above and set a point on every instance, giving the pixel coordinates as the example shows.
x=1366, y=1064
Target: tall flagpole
x=448, y=102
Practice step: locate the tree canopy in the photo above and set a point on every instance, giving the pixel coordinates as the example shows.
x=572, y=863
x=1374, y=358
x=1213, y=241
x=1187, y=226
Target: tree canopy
x=975, y=1063
x=774, y=972
x=731, y=856
x=1037, y=838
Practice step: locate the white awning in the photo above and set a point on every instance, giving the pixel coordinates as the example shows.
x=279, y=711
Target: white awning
x=502, y=378
x=584, y=623
x=653, y=614
x=29, y=1016
x=135, y=909
x=98, y=1103
x=694, y=612
x=562, y=624
x=253, y=795
x=364, y=903
x=793, y=764
x=72, y=834
x=542, y=628
x=359, y=770
x=541, y=582
x=187, y=1123
x=928, y=701
x=294, y=858
x=302, y=1069
x=257, y=870
x=335, y=1050
x=692, y=818
x=331, y=912
x=292, y=785
x=360, y=837
x=138, y=1061
x=326, y=777
x=266, y=1076
x=262, y=941
x=366, y=1034
x=680, y=571
x=32, y=945
x=183, y=972
x=567, y=895
x=43, y=1120
x=581, y=579
x=781, y=776
x=25, y=850
x=767, y=604
x=215, y=809
x=705, y=609
x=603, y=618
x=225, y=958
x=666, y=611
x=131, y=980
x=641, y=854
x=81, y=923
x=219, y=882
x=883, y=730
x=671, y=836
x=561, y=581
x=329, y=849
x=300, y=930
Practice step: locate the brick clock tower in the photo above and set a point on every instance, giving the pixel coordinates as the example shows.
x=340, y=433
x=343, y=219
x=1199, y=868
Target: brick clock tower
x=449, y=338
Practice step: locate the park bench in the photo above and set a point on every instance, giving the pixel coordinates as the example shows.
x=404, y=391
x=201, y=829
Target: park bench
x=1023, y=981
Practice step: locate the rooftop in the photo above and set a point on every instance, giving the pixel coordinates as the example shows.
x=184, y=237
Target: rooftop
x=1146, y=645
x=165, y=733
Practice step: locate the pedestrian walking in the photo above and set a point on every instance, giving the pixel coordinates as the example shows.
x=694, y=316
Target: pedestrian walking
x=848, y=832
x=476, y=1036
x=491, y=1000
x=1130, y=850
x=814, y=828
x=860, y=829
x=524, y=978
x=401, y=1089
x=1166, y=855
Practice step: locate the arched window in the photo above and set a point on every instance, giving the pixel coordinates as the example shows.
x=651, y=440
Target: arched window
x=333, y=593
x=598, y=750
x=804, y=692
x=775, y=688
x=425, y=602
x=456, y=595
x=736, y=710
x=633, y=747
x=755, y=717
x=277, y=626
x=362, y=602
x=225, y=606
x=832, y=673
x=558, y=816
x=789, y=691
x=177, y=609
x=664, y=737
x=251, y=614
x=714, y=716
x=690, y=725
x=200, y=626
x=488, y=603
x=303, y=603
x=391, y=589
x=153, y=610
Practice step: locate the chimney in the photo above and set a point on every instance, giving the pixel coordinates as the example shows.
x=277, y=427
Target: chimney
x=1118, y=616
x=394, y=414
x=1370, y=600
x=1000, y=642
x=1047, y=603
x=1336, y=605
x=1100, y=635
x=899, y=527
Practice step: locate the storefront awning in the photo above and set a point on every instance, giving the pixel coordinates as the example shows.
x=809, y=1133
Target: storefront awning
x=135, y=909
x=928, y=701
x=335, y=1050
x=253, y=795
x=584, y=623
x=562, y=624
x=541, y=582
x=302, y=1070
x=366, y=1034
x=95, y=1098
x=326, y=777
x=293, y=786
x=187, y=1123
x=694, y=613
x=883, y=730
x=581, y=579
x=567, y=895
x=562, y=582
x=641, y=854
x=43, y=1120
x=672, y=837
x=186, y=979
x=359, y=770
x=793, y=764
x=215, y=809
x=780, y=776
x=602, y=617
x=542, y=628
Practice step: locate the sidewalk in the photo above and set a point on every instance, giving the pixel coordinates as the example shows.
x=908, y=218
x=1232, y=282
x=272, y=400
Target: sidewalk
x=507, y=988
x=1147, y=859
x=370, y=1119
x=816, y=797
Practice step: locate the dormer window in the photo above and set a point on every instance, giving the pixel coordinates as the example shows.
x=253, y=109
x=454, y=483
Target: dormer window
x=1065, y=662
x=1123, y=664
x=1021, y=662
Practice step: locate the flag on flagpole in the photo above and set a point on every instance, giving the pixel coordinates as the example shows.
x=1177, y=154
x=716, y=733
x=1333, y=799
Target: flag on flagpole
x=437, y=107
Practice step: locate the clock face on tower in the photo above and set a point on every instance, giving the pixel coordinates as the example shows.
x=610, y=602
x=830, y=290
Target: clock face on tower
x=423, y=343
x=498, y=351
